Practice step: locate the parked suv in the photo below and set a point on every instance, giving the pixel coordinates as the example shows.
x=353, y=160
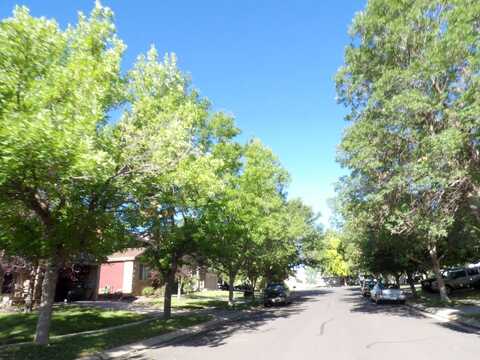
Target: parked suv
x=459, y=278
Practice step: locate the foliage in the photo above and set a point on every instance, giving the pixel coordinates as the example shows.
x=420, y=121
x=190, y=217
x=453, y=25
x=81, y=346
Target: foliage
x=410, y=77
x=148, y=291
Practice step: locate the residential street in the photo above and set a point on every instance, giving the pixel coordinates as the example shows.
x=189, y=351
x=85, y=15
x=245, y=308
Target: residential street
x=329, y=324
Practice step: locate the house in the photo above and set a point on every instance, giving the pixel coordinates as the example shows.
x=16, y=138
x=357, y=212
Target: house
x=123, y=272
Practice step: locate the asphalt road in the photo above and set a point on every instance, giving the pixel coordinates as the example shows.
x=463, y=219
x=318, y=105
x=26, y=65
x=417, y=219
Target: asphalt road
x=328, y=324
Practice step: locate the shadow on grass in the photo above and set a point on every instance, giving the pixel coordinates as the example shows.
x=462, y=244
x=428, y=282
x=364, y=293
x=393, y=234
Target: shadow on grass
x=20, y=327
x=72, y=348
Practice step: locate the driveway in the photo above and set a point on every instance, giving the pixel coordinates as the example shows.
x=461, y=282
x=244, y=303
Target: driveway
x=328, y=324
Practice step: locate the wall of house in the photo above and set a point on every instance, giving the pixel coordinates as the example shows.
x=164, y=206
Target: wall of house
x=138, y=284
x=111, y=277
x=211, y=281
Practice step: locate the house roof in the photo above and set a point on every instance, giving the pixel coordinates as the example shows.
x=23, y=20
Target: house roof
x=126, y=255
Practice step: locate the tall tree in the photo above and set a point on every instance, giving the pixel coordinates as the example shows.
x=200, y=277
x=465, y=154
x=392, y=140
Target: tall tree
x=165, y=205
x=410, y=78
x=56, y=90
x=252, y=191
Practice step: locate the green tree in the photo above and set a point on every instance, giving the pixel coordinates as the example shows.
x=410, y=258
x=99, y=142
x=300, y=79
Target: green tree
x=166, y=205
x=56, y=89
x=410, y=79
x=232, y=221
x=332, y=257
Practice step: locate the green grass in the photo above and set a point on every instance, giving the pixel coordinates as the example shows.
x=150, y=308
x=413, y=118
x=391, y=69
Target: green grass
x=204, y=300
x=71, y=348
x=457, y=298
x=20, y=327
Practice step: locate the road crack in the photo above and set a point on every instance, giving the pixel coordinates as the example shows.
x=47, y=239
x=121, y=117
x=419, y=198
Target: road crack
x=322, y=327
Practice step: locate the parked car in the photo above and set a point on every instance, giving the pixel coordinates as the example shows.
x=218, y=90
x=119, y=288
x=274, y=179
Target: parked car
x=223, y=286
x=383, y=293
x=276, y=293
x=458, y=278
x=367, y=286
x=243, y=287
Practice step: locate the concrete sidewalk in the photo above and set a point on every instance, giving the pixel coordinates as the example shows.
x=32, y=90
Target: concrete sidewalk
x=461, y=315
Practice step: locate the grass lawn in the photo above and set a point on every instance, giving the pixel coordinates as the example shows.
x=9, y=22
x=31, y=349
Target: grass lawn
x=457, y=298
x=71, y=348
x=205, y=299
x=20, y=327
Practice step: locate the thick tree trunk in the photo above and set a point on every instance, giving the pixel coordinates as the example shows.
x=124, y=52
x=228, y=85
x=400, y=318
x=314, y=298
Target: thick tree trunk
x=412, y=284
x=438, y=274
x=46, y=303
x=231, y=280
x=169, y=283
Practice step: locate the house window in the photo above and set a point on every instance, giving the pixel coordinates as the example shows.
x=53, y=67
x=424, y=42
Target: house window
x=144, y=272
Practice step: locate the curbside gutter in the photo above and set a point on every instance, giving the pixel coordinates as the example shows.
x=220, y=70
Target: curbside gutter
x=126, y=351
x=447, y=316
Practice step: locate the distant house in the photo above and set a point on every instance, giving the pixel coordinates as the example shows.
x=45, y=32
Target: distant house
x=123, y=272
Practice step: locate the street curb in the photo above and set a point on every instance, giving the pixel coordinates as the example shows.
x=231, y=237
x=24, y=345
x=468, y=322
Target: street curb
x=124, y=351
x=460, y=322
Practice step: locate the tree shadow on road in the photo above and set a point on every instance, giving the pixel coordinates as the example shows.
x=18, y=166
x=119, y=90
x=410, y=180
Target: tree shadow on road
x=250, y=321
x=366, y=306
x=362, y=304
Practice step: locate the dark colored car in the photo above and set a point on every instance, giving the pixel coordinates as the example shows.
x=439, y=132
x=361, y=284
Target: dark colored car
x=276, y=293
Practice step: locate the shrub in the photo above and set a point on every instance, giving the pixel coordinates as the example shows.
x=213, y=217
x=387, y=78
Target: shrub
x=148, y=291
x=159, y=291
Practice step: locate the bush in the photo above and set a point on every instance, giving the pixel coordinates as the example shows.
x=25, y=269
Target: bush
x=159, y=291
x=189, y=284
x=148, y=291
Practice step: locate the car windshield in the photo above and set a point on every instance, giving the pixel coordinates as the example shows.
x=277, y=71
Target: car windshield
x=275, y=287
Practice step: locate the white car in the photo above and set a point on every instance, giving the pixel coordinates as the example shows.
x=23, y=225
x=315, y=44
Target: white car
x=384, y=293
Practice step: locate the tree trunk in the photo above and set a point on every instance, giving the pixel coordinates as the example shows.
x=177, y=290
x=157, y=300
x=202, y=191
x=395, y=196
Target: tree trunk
x=2, y=276
x=438, y=274
x=231, y=280
x=412, y=284
x=397, y=280
x=169, y=283
x=253, y=281
x=37, y=289
x=179, y=287
x=28, y=306
x=46, y=304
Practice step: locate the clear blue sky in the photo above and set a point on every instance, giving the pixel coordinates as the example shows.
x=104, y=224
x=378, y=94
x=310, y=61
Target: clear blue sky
x=270, y=63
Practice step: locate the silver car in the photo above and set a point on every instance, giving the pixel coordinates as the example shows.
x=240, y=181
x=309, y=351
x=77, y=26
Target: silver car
x=384, y=293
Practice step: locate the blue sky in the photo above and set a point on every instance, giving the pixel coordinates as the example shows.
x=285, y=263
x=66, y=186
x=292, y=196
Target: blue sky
x=269, y=63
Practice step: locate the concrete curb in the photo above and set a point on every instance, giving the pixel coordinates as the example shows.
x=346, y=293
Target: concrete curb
x=125, y=351
x=473, y=324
